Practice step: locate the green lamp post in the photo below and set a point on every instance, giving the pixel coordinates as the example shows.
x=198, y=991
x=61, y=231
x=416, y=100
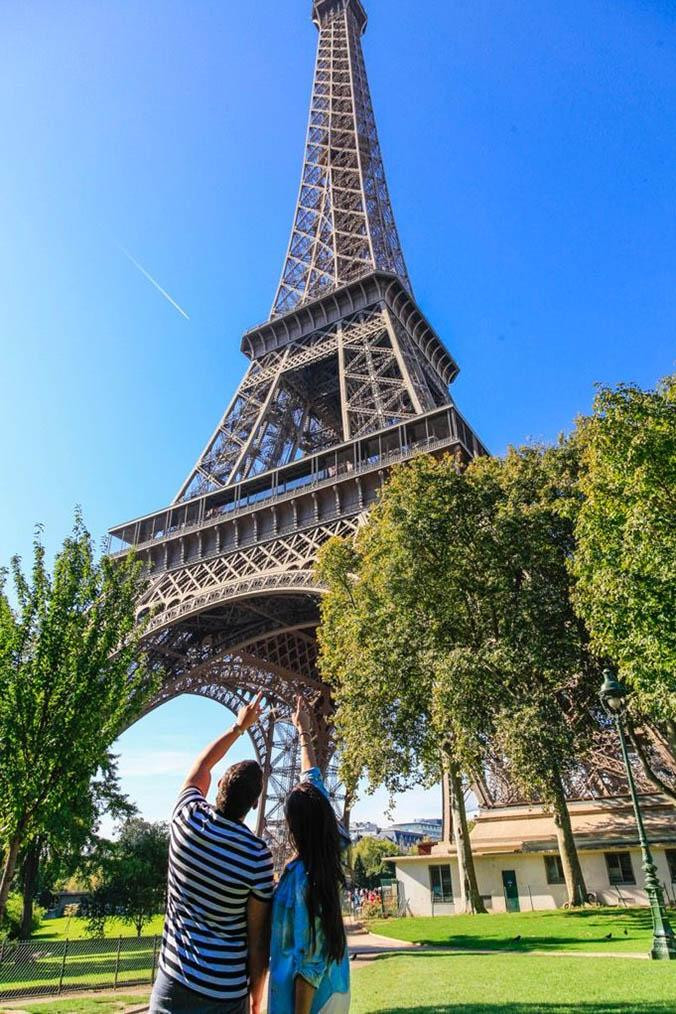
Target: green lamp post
x=612, y=696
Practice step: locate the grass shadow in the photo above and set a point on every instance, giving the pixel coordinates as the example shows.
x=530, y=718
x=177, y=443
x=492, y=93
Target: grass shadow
x=601, y=1007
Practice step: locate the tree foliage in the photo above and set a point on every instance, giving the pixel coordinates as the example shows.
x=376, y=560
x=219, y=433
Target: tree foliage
x=70, y=841
x=131, y=883
x=11, y=926
x=369, y=854
x=449, y=614
x=626, y=540
x=359, y=876
x=71, y=679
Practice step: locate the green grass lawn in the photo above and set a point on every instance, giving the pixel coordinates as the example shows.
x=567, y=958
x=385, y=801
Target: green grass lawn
x=428, y=983
x=88, y=963
x=557, y=930
x=74, y=928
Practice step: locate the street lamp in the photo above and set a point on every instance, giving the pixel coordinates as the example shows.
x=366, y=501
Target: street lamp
x=612, y=696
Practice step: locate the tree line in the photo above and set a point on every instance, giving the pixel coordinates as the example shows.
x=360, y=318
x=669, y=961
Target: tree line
x=465, y=627
x=463, y=632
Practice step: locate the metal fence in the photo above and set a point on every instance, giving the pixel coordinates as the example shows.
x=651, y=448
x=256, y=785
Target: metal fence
x=39, y=967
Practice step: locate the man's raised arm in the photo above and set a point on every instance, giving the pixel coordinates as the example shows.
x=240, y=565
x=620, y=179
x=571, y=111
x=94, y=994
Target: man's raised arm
x=199, y=775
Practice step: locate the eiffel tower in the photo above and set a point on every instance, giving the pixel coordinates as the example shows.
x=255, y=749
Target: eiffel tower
x=345, y=380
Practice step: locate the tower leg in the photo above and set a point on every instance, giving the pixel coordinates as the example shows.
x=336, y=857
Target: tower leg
x=267, y=767
x=283, y=769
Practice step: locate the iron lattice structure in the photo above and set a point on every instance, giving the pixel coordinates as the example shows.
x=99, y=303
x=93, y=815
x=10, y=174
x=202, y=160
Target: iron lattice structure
x=345, y=379
x=344, y=227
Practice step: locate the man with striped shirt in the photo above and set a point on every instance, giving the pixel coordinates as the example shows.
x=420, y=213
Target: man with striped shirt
x=215, y=946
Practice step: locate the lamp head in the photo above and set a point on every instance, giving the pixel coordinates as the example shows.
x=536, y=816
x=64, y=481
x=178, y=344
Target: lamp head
x=612, y=694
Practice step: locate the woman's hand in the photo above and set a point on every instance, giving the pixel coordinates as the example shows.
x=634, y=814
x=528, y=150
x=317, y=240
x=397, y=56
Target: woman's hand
x=300, y=717
x=250, y=713
x=302, y=722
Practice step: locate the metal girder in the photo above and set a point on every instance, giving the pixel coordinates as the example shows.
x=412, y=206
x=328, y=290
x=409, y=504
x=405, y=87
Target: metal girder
x=282, y=565
x=360, y=375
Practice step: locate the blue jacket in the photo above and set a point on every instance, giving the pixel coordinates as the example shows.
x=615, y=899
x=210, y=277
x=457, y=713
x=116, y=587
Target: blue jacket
x=291, y=950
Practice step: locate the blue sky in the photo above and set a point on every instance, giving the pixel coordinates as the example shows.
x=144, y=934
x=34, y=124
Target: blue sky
x=530, y=148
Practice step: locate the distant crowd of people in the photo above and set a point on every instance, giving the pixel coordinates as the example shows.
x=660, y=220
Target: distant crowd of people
x=360, y=896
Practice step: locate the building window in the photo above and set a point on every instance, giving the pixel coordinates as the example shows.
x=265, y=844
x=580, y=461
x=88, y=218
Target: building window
x=440, y=883
x=620, y=870
x=671, y=859
x=554, y=870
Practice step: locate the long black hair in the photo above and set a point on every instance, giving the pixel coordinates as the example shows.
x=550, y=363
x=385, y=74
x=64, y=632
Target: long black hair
x=314, y=832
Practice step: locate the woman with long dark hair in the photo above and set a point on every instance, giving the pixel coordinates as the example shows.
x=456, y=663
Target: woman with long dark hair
x=309, y=963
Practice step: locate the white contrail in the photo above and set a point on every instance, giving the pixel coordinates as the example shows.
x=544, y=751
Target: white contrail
x=153, y=282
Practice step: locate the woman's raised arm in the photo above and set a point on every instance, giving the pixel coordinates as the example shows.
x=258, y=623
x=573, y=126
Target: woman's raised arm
x=301, y=720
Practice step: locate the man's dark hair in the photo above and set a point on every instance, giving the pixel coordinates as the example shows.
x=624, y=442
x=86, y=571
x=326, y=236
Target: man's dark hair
x=239, y=788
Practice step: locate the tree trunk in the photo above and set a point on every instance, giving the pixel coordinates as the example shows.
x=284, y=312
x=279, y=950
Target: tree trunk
x=8, y=870
x=669, y=732
x=572, y=871
x=347, y=810
x=470, y=899
x=663, y=738
x=646, y=764
x=31, y=865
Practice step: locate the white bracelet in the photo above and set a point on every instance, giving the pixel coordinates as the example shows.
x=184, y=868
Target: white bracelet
x=240, y=730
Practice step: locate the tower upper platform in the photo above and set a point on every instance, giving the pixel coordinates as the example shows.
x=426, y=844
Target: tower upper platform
x=322, y=9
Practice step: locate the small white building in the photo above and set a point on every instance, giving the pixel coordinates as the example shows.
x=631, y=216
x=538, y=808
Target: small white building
x=518, y=865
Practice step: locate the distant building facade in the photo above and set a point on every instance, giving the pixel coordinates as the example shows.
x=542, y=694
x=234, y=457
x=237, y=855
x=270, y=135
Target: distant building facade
x=401, y=838
x=518, y=865
x=363, y=829
x=428, y=827
x=404, y=835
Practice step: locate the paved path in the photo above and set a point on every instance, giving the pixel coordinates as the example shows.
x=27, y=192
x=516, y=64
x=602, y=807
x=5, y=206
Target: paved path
x=364, y=946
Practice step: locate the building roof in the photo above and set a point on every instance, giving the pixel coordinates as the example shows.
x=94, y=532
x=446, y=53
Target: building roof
x=597, y=824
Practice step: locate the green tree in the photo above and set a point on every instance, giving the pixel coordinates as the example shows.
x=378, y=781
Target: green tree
x=133, y=878
x=359, y=872
x=379, y=639
x=447, y=617
x=370, y=853
x=71, y=679
x=626, y=546
x=71, y=839
x=11, y=926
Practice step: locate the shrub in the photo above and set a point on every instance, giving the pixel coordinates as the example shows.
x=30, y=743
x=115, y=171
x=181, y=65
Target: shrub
x=11, y=924
x=372, y=910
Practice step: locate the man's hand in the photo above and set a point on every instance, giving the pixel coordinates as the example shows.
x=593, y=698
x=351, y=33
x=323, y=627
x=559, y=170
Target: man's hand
x=250, y=713
x=199, y=775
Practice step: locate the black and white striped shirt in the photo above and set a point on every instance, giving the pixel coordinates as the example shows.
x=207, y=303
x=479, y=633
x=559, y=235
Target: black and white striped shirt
x=214, y=865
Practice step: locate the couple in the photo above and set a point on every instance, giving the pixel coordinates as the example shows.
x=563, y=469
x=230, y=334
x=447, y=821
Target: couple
x=226, y=922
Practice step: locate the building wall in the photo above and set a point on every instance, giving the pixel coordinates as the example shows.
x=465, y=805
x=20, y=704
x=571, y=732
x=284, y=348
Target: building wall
x=534, y=891
x=415, y=879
